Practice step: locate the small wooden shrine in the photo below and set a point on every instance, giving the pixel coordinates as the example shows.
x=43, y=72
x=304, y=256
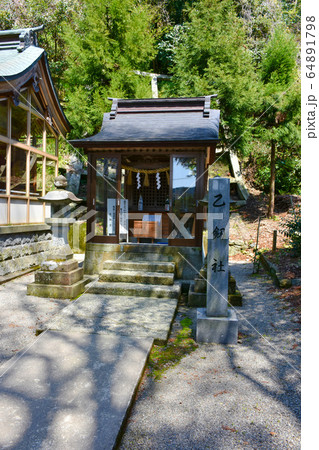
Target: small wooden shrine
x=147, y=171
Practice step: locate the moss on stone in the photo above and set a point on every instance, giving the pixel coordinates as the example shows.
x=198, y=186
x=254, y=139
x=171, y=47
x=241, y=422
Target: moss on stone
x=78, y=244
x=163, y=358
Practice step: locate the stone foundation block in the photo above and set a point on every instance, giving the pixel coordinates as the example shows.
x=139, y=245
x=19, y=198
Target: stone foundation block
x=235, y=299
x=196, y=299
x=200, y=285
x=57, y=291
x=15, y=265
x=18, y=251
x=60, y=266
x=63, y=278
x=219, y=330
x=231, y=285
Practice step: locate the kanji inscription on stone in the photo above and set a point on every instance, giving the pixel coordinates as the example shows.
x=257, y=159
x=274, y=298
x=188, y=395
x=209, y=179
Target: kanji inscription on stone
x=217, y=251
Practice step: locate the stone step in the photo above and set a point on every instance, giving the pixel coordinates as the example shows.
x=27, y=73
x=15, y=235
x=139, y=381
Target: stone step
x=148, y=266
x=136, y=289
x=142, y=257
x=198, y=299
x=136, y=276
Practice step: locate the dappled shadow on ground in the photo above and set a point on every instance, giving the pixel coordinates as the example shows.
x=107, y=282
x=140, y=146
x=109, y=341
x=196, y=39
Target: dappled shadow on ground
x=69, y=389
x=257, y=205
x=244, y=396
x=20, y=315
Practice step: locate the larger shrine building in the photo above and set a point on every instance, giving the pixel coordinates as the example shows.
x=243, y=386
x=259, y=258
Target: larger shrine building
x=31, y=120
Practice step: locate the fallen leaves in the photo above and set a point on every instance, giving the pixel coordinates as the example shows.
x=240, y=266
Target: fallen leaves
x=233, y=430
x=220, y=393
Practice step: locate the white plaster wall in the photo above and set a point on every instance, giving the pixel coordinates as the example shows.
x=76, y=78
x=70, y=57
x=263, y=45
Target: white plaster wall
x=3, y=211
x=18, y=211
x=36, y=212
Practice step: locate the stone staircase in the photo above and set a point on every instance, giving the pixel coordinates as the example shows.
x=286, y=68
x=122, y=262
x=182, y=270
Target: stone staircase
x=138, y=278
x=135, y=299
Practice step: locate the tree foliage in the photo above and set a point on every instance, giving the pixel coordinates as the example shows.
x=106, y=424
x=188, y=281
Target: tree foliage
x=53, y=14
x=246, y=51
x=211, y=58
x=106, y=43
x=280, y=113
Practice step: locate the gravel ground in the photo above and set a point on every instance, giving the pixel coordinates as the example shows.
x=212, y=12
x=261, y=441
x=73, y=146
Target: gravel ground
x=20, y=316
x=228, y=397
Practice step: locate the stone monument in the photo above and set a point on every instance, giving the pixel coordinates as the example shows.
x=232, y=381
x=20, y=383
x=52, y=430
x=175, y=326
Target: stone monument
x=217, y=322
x=73, y=175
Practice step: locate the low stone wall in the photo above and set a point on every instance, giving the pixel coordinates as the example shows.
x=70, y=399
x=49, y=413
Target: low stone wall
x=24, y=249
x=274, y=273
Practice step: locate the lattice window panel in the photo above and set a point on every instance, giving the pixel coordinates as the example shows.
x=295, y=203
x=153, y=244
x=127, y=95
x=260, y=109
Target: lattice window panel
x=152, y=197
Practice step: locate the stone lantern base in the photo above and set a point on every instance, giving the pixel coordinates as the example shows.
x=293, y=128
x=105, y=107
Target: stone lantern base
x=60, y=227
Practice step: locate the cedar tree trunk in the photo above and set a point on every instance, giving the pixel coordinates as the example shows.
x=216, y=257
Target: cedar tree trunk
x=271, y=206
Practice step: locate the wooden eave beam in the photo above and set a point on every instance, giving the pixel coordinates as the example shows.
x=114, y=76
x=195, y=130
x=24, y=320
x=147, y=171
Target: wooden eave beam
x=51, y=101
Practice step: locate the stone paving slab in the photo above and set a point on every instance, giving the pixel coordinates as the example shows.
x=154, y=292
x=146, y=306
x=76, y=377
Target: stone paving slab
x=70, y=391
x=128, y=316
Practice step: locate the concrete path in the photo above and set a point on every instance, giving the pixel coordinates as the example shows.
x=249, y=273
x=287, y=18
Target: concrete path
x=142, y=317
x=70, y=391
x=72, y=386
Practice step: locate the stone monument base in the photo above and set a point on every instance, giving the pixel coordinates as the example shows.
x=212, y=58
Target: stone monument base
x=219, y=330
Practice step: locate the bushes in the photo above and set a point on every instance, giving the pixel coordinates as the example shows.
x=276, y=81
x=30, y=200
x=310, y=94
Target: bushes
x=288, y=173
x=291, y=229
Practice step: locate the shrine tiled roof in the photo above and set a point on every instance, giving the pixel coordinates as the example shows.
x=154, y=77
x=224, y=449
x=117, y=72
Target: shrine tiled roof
x=18, y=52
x=23, y=62
x=157, y=121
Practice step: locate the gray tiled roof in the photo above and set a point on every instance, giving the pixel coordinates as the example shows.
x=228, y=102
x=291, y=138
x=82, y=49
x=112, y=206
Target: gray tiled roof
x=13, y=64
x=156, y=126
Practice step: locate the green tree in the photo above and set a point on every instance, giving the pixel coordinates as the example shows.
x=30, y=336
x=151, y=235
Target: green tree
x=212, y=57
x=261, y=18
x=106, y=43
x=280, y=114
